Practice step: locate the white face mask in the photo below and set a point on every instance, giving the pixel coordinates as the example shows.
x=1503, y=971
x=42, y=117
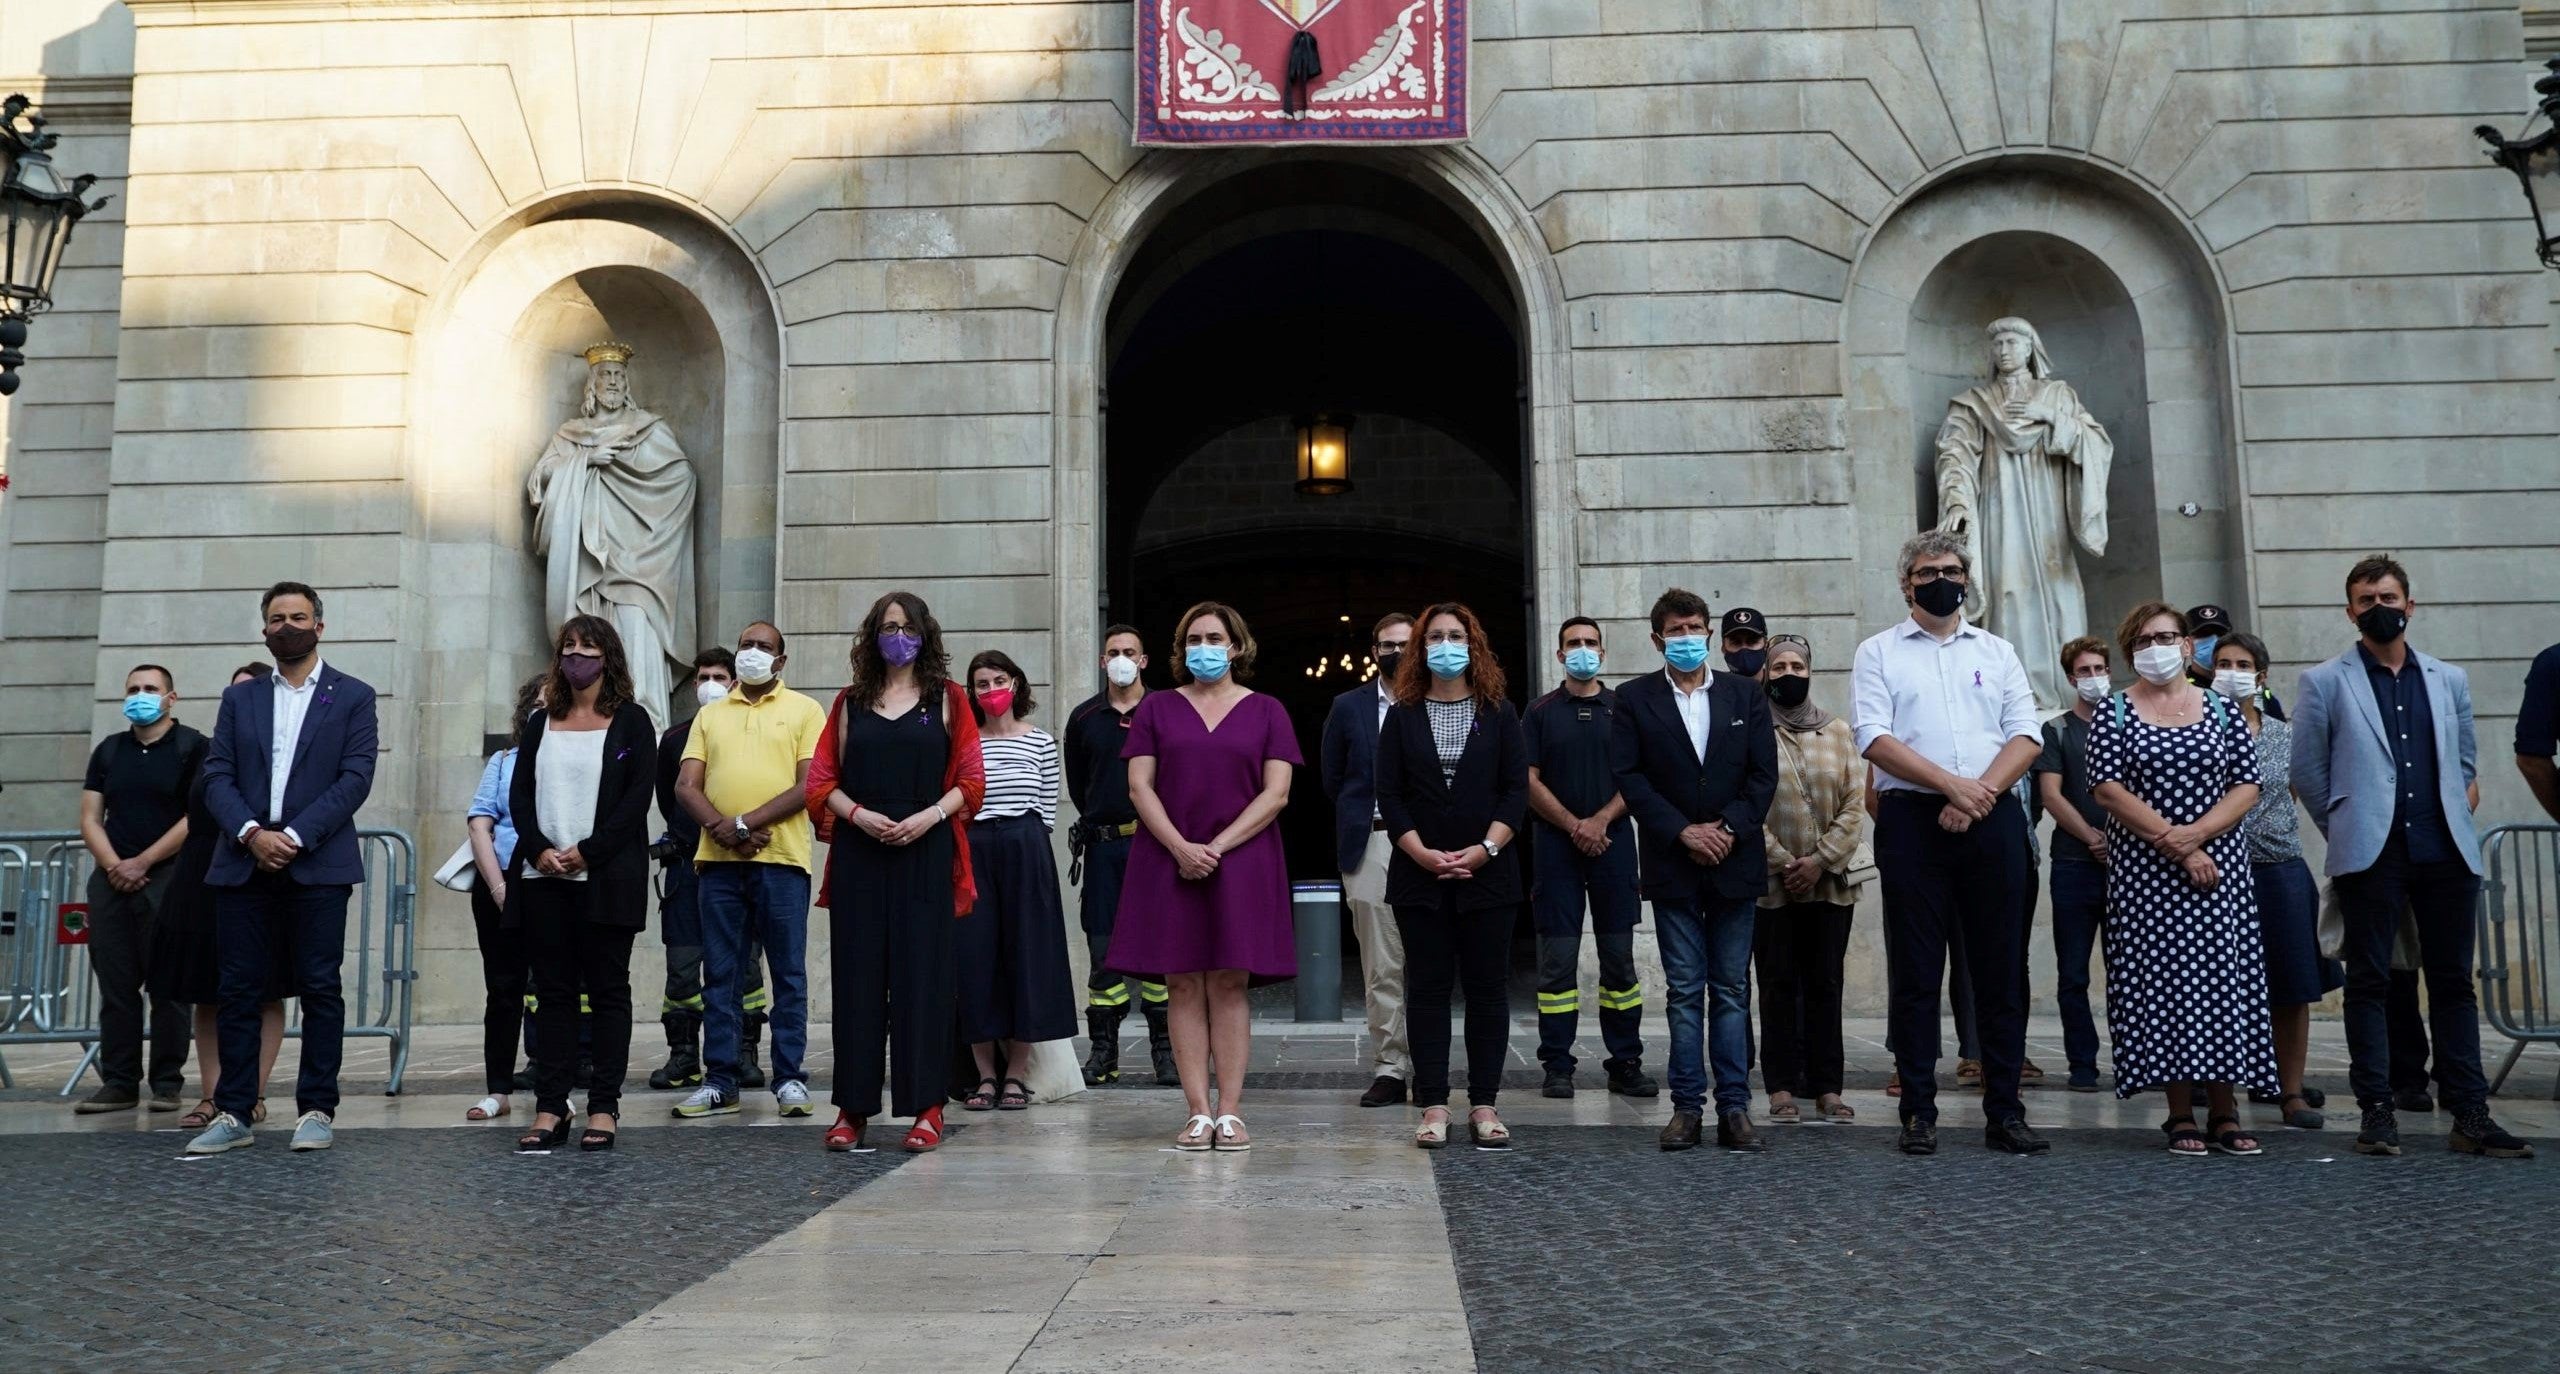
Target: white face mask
x=2235, y=684
x=1121, y=671
x=707, y=692
x=755, y=667
x=2160, y=664
x=2092, y=689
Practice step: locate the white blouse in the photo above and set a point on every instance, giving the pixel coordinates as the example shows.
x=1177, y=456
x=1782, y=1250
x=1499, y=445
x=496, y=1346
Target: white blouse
x=565, y=777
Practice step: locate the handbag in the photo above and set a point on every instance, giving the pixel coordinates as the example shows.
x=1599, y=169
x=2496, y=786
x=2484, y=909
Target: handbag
x=459, y=873
x=2333, y=923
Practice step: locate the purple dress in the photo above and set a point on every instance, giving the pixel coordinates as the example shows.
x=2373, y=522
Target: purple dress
x=1238, y=916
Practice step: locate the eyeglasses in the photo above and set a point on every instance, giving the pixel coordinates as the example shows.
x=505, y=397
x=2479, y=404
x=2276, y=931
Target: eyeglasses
x=1951, y=572
x=1445, y=637
x=2165, y=639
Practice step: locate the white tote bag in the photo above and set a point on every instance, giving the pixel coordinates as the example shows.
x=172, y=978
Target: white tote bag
x=459, y=873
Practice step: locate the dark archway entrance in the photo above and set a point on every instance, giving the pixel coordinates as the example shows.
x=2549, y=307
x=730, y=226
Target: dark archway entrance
x=1299, y=287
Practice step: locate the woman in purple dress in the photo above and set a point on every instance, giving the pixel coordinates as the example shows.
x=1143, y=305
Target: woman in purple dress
x=1205, y=907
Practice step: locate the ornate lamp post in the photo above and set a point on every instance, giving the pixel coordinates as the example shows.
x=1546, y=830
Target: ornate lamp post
x=38, y=211
x=2536, y=163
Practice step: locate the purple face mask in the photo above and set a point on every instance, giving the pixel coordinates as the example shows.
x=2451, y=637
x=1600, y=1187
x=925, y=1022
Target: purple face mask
x=899, y=647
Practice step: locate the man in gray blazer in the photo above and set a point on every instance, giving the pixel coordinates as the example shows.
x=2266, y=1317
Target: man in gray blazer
x=2385, y=762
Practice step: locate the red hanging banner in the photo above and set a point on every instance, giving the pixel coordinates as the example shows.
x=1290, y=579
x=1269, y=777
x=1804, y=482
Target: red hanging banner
x=1302, y=71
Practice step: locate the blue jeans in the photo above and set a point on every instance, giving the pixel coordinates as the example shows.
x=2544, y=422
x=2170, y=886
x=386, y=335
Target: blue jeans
x=1706, y=963
x=313, y=922
x=2079, y=910
x=769, y=904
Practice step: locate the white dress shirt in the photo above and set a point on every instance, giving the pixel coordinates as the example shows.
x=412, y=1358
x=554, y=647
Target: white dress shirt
x=291, y=705
x=1955, y=702
x=1694, y=708
x=1384, y=701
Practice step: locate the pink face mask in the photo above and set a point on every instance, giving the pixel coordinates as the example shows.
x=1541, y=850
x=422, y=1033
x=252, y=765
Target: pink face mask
x=997, y=702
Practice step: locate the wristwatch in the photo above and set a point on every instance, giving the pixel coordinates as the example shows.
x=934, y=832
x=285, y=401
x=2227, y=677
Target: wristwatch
x=1492, y=847
x=739, y=830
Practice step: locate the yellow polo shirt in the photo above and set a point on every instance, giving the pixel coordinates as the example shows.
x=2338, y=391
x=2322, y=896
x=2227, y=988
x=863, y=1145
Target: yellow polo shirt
x=751, y=752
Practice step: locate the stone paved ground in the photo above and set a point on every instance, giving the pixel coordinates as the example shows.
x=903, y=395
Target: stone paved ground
x=424, y=1250
x=1588, y=1248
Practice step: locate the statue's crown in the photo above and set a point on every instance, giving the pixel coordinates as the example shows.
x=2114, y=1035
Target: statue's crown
x=609, y=353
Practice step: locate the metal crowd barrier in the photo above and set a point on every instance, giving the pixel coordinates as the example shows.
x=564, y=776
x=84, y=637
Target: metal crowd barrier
x=48, y=996
x=2520, y=939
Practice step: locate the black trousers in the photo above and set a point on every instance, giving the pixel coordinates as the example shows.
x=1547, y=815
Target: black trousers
x=571, y=954
x=892, y=956
x=1798, y=950
x=120, y=934
x=2408, y=1026
x=2441, y=896
x=1443, y=945
x=505, y=973
x=1974, y=884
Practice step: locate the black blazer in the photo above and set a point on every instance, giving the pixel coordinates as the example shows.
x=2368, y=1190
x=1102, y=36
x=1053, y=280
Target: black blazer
x=1350, y=757
x=1669, y=788
x=617, y=854
x=1492, y=785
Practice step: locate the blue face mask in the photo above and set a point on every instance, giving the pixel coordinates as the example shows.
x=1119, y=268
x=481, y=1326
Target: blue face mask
x=1582, y=665
x=144, y=708
x=1207, y=662
x=1687, y=653
x=1446, y=660
x=2204, y=649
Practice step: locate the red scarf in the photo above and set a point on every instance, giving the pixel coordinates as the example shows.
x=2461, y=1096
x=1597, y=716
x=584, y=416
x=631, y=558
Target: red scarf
x=964, y=768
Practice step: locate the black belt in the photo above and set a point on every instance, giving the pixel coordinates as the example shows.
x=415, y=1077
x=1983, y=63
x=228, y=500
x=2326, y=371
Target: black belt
x=1094, y=831
x=1912, y=794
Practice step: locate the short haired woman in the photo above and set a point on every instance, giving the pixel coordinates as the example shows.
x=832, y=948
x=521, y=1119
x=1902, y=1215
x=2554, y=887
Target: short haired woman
x=896, y=777
x=2288, y=898
x=1015, y=987
x=1205, y=907
x=1801, y=942
x=2176, y=771
x=1453, y=789
x=578, y=883
x=187, y=968
x=505, y=973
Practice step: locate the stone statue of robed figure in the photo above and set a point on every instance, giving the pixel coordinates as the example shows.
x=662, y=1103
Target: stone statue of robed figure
x=2022, y=479
x=613, y=516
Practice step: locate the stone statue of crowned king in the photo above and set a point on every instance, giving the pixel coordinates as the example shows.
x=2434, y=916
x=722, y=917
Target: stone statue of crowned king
x=613, y=504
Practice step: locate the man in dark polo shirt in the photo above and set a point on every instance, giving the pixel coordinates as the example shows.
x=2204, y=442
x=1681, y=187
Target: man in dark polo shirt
x=1586, y=848
x=1106, y=822
x=133, y=817
x=2079, y=852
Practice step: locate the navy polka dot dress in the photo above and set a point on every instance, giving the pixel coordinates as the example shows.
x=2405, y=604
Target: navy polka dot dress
x=2186, y=971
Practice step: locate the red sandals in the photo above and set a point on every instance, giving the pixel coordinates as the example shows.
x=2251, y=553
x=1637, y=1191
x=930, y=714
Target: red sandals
x=846, y=1134
x=926, y=1134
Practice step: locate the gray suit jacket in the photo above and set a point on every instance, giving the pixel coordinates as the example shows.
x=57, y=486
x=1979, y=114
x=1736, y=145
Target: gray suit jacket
x=2342, y=766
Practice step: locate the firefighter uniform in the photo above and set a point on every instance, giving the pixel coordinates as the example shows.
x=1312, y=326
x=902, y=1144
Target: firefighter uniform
x=1106, y=826
x=1568, y=741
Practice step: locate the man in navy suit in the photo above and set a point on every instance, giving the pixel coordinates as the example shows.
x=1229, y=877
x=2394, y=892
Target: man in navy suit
x=1696, y=755
x=291, y=761
x=1362, y=851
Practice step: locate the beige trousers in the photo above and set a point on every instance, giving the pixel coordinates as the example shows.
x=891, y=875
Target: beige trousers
x=1381, y=959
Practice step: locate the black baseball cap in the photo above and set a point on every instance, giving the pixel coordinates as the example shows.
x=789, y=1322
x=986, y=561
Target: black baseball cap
x=2209, y=617
x=1743, y=618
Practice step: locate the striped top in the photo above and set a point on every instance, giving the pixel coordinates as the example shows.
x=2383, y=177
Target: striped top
x=1022, y=776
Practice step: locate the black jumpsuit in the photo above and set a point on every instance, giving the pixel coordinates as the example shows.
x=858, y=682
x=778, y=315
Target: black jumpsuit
x=893, y=925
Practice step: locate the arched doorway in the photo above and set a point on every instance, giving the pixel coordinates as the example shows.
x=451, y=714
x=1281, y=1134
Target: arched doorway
x=1296, y=288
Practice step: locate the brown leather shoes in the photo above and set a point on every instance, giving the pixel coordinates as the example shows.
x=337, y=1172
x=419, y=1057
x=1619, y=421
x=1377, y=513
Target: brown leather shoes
x=1734, y=1132
x=1385, y=1091
x=1682, y=1133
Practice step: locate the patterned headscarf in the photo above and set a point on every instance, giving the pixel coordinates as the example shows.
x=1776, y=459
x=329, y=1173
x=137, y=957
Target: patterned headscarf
x=1807, y=717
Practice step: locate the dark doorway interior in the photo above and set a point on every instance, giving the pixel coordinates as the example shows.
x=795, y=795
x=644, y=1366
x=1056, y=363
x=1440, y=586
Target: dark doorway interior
x=1302, y=287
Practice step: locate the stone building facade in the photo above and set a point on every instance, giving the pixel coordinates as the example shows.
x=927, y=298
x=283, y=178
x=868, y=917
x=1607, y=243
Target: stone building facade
x=872, y=255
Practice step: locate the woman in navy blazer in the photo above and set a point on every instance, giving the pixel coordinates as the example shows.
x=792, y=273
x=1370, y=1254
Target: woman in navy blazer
x=578, y=883
x=1453, y=788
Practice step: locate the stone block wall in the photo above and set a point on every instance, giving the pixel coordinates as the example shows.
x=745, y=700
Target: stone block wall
x=1698, y=185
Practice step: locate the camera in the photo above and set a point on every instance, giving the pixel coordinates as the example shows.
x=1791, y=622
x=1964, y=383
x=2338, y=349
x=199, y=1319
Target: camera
x=667, y=849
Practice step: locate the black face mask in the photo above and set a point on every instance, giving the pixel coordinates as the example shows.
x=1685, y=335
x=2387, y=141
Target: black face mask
x=1790, y=692
x=1387, y=663
x=1942, y=597
x=292, y=643
x=2383, y=624
x=1747, y=662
